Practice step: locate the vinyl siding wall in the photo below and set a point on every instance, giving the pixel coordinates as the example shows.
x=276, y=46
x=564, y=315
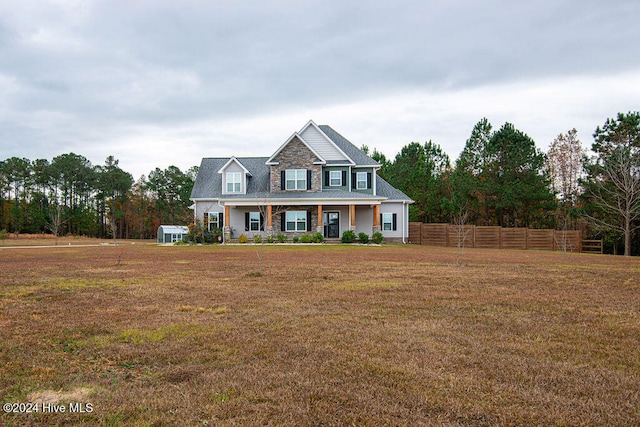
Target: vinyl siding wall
x=344, y=173
x=234, y=167
x=319, y=142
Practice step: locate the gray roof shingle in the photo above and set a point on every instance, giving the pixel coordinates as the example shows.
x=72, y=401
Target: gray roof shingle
x=356, y=154
x=208, y=184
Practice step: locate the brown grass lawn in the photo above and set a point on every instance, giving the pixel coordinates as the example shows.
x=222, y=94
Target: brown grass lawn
x=328, y=335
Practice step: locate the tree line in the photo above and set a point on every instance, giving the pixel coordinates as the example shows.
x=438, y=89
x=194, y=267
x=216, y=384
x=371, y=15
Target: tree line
x=501, y=178
x=69, y=195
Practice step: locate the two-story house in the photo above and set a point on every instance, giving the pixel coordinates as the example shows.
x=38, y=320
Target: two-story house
x=317, y=181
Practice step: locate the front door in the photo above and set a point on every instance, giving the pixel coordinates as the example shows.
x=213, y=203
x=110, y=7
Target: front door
x=332, y=225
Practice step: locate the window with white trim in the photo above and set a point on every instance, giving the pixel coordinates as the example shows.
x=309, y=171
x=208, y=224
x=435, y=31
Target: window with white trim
x=296, y=179
x=387, y=221
x=335, y=178
x=296, y=221
x=254, y=221
x=214, y=220
x=361, y=180
x=234, y=182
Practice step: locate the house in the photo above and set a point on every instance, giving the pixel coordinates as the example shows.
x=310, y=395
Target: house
x=172, y=233
x=316, y=181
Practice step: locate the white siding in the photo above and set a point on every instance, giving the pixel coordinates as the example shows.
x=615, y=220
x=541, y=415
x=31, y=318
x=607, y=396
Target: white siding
x=400, y=210
x=203, y=207
x=321, y=144
x=364, y=220
x=234, y=167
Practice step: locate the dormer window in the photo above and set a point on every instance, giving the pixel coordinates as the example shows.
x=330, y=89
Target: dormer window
x=234, y=182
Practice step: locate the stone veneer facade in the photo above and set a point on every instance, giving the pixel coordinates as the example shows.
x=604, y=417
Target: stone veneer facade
x=277, y=221
x=296, y=155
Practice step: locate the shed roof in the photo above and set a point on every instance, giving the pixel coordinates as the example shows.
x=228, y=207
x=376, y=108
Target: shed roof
x=174, y=229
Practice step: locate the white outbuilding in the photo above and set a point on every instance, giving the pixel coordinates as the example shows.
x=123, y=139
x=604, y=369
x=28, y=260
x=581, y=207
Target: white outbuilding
x=172, y=233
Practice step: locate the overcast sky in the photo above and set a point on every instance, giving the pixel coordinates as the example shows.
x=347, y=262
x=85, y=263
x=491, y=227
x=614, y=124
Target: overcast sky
x=163, y=82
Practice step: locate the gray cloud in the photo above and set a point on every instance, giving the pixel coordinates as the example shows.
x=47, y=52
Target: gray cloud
x=88, y=75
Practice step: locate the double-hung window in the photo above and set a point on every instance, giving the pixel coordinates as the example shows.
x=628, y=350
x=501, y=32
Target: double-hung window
x=214, y=220
x=335, y=178
x=234, y=182
x=361, y=180
x=387, y=221
x=296, y=221
x=296, y=179
x=254, y=221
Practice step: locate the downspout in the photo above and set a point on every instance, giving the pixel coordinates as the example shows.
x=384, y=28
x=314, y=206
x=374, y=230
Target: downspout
x=195, y=211
x=404, y=223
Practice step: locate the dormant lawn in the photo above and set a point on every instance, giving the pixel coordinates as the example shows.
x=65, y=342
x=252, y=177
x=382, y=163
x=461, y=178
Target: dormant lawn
x=326, y=335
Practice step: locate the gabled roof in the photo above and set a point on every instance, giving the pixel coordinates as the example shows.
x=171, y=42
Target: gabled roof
x=208, y=183
x=318, y=161
x=233, y=159
x=316, y=138
x=354, y=153
x=175, y=229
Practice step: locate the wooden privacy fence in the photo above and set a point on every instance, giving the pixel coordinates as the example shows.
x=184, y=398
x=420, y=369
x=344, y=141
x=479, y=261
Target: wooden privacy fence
x=494, y=237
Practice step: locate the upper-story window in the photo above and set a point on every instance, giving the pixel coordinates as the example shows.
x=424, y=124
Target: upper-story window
x=234, y=182
x=335, y=178
x=296, y=179
x=361, y=181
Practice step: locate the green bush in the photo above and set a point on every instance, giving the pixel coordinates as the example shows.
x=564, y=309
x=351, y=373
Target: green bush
x=243, y=238
x=349, y=236
x=317, y=238
x=377, y=238
x=214, y=236
x=196, y=233
x=257, y=238
x=363, y=238
x=296, y=239
x=305, y=238
x=282, y=238
x=270, y=239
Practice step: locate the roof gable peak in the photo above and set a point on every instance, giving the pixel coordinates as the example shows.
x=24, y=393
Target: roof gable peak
x=234, y=159
x=272, y=160
x=327, y=140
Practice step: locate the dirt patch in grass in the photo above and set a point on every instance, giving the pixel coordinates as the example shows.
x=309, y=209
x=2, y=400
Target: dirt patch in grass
x=327, y=335
x=80, y=394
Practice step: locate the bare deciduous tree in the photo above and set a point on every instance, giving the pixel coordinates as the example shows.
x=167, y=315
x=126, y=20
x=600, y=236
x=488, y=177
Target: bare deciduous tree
x=616, y=193
x=57, y=220
x=565, y=166
x=614, y=176
x=462, y=231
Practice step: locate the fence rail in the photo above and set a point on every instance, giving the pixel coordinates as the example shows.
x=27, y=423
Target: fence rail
x=592, y=246
x=472, y=236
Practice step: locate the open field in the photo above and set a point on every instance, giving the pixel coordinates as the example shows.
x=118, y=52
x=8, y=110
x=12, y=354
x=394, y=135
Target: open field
x=328, y=335
x=13, y=240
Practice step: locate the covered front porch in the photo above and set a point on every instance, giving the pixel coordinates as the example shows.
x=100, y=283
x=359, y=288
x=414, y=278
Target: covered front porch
x=331, y=220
